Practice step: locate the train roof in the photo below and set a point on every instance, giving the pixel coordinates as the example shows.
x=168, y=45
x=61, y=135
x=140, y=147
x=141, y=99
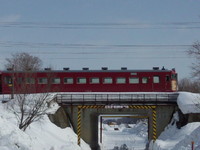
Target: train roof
x=87, y=70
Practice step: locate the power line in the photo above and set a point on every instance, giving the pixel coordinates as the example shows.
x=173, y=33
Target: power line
x=114, y=58
x=103, y=25
x=89, y=46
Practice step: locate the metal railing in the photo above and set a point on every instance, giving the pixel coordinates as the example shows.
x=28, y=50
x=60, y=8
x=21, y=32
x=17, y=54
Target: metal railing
x=107, y=99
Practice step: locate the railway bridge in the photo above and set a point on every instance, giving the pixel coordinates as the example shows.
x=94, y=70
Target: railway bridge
x=85, y=109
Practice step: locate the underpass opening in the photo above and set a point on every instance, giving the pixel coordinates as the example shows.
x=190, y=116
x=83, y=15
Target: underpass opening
x=116, y=131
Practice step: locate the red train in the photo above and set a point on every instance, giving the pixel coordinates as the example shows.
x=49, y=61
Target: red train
x=155, y=80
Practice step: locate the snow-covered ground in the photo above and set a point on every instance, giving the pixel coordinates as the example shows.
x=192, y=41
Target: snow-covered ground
x=178, y=139
x=42, y=135
x=134, y=136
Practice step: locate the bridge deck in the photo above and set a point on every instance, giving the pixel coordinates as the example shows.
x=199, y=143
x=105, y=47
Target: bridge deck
x=112, y=98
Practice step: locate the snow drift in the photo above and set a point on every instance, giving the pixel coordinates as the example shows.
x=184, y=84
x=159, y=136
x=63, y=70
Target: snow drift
x=178, y=139
x=189, y=102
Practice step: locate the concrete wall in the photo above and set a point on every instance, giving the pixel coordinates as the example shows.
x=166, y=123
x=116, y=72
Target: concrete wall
x=164, y=116
x=194, y=118
x=60, y=118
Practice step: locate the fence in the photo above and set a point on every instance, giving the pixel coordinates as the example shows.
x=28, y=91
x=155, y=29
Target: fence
x=106, y=99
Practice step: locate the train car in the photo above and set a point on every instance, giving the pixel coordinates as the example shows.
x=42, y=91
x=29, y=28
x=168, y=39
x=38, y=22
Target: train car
x=104, y=80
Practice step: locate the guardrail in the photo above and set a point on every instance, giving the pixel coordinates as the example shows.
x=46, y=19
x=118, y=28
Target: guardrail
x=108, y=99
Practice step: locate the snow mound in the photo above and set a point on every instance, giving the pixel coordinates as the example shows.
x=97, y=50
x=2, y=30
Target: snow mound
x=139, y=129
x=42, y=135
x=189, y=102
x=11, y=137
x=179, y=139
x=173, y=138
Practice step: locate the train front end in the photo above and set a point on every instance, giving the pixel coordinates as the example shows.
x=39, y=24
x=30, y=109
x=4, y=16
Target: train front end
x=174, y=81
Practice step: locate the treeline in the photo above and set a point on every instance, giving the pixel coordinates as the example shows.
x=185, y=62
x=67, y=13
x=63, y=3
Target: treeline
x=189, y=85
x=192, y=84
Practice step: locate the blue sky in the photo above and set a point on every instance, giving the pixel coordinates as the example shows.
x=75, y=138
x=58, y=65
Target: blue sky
x=137, y=34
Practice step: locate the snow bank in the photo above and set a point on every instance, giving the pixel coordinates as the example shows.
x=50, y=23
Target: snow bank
x=189, y=102
x=11, y=137
x=42, y=135
x=50, y=137
x=140, y=129
x=173, y=138
x=178, y=139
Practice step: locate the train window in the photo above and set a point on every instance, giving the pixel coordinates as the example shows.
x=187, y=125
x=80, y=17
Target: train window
x=68, y=80
x=144, y=80
x=56, y=81
x=134, y=80
x=156, y=79
x=42, y=80
x=30, y=81
x=107, y=80
x=8, y=80
x=133, y=73
x=121, y=80
x=81, y=80
x=94, y=80
x=174, y=76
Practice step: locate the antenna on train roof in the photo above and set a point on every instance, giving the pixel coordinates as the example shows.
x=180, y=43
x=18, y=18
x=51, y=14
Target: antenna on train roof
x=163, y=68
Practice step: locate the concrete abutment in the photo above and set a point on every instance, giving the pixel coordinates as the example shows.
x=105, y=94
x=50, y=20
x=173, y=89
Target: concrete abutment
x=84, y=119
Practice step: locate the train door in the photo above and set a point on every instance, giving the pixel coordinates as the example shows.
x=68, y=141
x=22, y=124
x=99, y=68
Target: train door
x=174, y=85
x=167, y=82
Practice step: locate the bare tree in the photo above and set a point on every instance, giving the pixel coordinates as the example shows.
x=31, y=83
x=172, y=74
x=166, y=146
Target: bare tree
x=195, y=51
x=29, y=108
x=184, y=84
x=23, y=62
